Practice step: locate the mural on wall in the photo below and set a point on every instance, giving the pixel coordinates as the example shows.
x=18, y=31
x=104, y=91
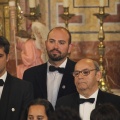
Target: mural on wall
x=84, y=27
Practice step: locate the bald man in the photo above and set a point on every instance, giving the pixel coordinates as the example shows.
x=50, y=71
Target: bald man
x=54, y=79
x=86, y=77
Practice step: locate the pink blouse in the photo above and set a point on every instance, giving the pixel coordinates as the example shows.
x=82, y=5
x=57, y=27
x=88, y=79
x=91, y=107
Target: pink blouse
x=31, y=56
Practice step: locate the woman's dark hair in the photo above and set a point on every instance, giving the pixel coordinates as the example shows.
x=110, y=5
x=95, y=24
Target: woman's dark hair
x=5, y=44
x=48, y=107
x=105, y=112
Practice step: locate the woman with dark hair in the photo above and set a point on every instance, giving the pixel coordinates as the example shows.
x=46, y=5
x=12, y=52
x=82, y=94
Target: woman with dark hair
x=38, y=109
x=105, y=112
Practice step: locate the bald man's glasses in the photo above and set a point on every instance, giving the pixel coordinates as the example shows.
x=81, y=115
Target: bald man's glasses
x=83, y=72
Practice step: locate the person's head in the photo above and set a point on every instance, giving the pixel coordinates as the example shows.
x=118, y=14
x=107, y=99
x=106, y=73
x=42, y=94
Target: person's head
x=86, y=76
x=23, y=34
x=4, y=54
x=38, y=109
x=21, y=37
x=58, y=44
x=105, y=112
x=65, y=113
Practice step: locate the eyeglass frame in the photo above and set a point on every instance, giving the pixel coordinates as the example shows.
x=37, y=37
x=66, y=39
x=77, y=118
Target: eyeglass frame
x=83, y=71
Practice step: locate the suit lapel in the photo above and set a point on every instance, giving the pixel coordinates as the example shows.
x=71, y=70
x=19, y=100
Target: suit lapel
x=43, y=80
x=76, y=102
x=100, y=98
x=66, y=76
x=5, y=98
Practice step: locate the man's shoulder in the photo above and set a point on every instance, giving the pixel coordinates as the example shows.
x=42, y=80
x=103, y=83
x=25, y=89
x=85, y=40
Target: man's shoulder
x=108, y=96
x=19, y=81
x=14, y=81
x=37, y=68
x=71, y=62
x=67, y=100
x=68, y=97
x=105, y=97
x=35, y=72
x=113, y=95
x=19, y=88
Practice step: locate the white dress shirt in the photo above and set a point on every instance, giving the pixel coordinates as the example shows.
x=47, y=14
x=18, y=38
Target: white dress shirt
x=4, y=78
x=53, y=83
x=86, y=108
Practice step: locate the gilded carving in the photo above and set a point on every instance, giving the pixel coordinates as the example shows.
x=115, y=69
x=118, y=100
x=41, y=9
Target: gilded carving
x=1, y=21
x=4, y=21
x=7, y=25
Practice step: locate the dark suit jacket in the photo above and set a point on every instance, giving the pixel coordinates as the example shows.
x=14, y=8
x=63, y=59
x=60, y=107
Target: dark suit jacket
x=16, y=95
x=72, y=100
x=38, y=76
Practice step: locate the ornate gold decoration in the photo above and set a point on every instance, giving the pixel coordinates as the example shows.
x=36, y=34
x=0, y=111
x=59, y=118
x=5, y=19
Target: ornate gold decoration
x=6, y=22
x=66, y=16
x=103, y=84
x=19, y=17
x=33, y=15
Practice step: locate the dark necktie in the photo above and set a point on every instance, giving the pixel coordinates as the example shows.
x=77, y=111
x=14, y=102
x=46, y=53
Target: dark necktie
x=1, y=82
x=60, y=70
x=90, y=100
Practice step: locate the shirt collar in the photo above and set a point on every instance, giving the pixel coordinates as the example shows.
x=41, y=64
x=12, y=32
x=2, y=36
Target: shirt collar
x=4, y=76
x=94, y=95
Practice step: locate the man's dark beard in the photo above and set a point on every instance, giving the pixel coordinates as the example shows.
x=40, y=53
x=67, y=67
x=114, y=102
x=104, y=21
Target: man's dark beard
x=54, y=57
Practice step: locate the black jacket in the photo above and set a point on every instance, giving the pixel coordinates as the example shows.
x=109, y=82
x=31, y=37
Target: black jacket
x=16, y=95
x=38, y=76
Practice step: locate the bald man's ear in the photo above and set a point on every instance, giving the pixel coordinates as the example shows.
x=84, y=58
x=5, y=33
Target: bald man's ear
x=99, y=75
x=70, y=48
x=8, y=56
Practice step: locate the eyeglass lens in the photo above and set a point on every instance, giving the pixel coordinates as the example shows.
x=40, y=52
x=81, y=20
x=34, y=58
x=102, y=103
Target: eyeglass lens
x=83, y=72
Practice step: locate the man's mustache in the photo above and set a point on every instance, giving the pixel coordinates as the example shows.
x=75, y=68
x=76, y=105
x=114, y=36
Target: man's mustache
x=55, y=50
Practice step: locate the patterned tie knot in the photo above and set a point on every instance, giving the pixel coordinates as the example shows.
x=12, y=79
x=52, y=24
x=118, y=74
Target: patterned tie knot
x=53, y=68
x=90, y=100
x=1, y=82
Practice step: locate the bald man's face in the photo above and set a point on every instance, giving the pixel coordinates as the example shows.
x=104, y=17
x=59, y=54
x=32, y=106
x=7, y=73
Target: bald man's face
x=87, y=82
